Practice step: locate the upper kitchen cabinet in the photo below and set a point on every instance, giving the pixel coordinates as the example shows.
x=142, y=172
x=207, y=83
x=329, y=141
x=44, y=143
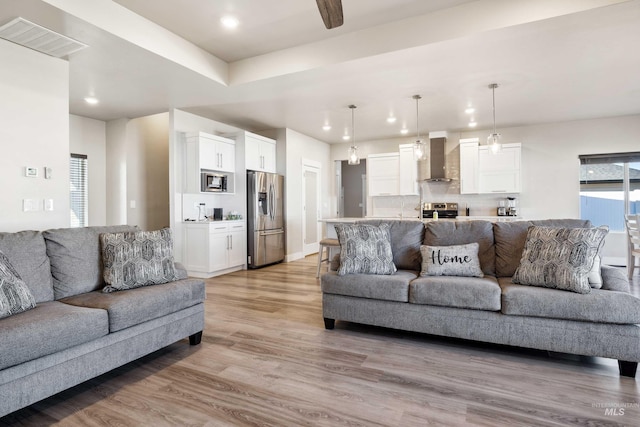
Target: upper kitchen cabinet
x=383, y=174
x=483, y=172
x=210, y=152
x=469, y=166
x=499, y=172
x=259, y=151
x=408, y=174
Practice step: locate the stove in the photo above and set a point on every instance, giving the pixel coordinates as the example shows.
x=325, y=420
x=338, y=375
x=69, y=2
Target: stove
x=445, y=210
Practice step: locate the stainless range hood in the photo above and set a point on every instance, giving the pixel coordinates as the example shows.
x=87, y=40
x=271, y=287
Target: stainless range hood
x=433, y=169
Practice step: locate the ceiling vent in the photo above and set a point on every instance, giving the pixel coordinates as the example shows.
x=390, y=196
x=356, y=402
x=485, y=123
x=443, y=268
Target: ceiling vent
x=33, y=36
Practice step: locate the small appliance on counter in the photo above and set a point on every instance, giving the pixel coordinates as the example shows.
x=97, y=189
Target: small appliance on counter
x=217, y=214
x=439, y=210
x=508, y=207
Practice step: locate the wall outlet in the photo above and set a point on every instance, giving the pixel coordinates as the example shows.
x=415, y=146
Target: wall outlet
x=48, y=173
x=30, y=172
x=48, y=204
x=30, y=205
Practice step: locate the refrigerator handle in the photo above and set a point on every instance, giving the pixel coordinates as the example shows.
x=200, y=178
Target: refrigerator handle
x=272, y=203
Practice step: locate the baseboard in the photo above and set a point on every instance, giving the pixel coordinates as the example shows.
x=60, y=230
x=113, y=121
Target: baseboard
x=293, y=257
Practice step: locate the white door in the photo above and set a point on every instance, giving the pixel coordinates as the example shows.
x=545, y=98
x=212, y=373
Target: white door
x=311, y=228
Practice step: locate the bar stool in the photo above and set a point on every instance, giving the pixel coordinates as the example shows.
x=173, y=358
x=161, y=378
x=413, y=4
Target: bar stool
x=327, y=244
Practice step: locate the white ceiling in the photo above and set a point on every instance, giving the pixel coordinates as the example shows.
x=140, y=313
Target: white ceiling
x=555, y=60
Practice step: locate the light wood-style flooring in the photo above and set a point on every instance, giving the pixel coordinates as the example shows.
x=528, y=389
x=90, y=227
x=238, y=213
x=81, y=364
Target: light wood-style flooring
x=266, y=360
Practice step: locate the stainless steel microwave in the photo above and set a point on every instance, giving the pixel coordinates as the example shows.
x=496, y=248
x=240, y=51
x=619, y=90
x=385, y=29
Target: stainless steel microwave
x=213, y=182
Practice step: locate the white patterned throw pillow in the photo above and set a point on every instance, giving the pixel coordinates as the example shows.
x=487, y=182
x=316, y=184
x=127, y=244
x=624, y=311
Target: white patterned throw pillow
x=15, y=296
x=365, y=249
x=455, y=260
x=560, y=258
x=137, y=258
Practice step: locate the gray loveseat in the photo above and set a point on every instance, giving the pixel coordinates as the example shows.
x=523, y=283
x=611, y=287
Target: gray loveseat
x=604, y=322
x=77, y=332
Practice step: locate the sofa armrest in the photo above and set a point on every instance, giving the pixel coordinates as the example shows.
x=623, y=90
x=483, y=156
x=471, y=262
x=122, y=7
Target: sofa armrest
x=614, y=279
x=181, y=272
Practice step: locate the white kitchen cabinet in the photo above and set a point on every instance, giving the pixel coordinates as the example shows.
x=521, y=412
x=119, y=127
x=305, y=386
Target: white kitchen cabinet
x=214, y=248
x=259, y=151
x=408, y=173
x=469, y=166
x=383, y=174
x=209, y=152
x=500, y=172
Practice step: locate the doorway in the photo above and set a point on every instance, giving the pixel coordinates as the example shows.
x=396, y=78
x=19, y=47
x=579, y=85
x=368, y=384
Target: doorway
x=311, y=228
x=352, y=189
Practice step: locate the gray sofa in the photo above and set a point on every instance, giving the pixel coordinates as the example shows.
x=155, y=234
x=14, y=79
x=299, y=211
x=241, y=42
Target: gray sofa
x=604, y=322
x=77, y=332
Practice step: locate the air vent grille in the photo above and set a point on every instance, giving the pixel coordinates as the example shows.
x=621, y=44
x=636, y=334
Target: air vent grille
x=33, y=36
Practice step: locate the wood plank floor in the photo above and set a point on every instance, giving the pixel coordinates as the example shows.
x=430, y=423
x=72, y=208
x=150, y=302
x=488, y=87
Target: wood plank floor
x=266, y=360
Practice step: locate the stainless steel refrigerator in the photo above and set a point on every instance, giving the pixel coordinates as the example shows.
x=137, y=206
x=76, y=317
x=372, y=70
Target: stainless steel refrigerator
x=265, y=218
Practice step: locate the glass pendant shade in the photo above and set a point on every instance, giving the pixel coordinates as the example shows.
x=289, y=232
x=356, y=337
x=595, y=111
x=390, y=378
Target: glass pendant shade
x=493, y=141
x=352, y=156
x=420, y=149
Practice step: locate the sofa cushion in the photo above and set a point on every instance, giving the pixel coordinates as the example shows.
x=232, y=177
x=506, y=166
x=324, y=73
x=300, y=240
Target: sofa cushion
x=76, y=261
x=137, y=258
x=365, y=249
x=48, y=328
x=599, y=305
x=461, y=292
x=510, y=238
x=28, y=254
x=15, y=297
x=447, y=233
x=394, y=287
x=614, y=279
x=135, y=306
x=406, y=238
x=560, y=258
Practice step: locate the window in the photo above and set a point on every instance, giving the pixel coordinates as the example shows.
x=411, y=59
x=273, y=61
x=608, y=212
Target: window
x=79, y=190
x=609, y=188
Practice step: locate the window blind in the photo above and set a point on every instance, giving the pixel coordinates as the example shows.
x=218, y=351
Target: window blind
x=592, y=159
x=79, y=190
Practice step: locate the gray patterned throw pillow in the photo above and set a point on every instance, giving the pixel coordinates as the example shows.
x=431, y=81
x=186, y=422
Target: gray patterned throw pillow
x=365, y=249
x=137, y=258
x=559, y=258
x=15, y=296
x=455, y=260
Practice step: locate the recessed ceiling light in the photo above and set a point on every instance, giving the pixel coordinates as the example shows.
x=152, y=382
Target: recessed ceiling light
x=230, y=21
x=346, y=137
x=404, y=131
x=91, y=100
x=473, y=124
x=469, y=110
x=391, y=119
x=326, y=128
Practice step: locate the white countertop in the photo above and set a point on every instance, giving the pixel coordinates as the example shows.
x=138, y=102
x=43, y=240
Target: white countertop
x=206, y=221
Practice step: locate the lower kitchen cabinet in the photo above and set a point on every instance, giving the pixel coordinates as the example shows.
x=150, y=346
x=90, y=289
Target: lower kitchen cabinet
x=214, y=248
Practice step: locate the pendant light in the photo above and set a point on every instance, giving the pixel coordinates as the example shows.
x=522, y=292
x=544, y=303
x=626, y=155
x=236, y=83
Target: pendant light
x=353, y=158
x=493, y=141
x=419, y=147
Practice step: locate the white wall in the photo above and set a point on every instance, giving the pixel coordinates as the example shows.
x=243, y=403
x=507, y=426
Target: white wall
x=298, y=147
x=34, y=106
x=137, y=159
x=88, y=137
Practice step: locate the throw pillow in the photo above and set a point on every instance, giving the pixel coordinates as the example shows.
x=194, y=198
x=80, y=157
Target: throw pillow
x=365, y=249
x=559, y=258
x=137, y=258
x=456, y=260
x=595, y=278
x=15, y=296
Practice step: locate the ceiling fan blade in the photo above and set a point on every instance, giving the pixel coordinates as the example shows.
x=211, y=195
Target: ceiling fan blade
x=331, y=11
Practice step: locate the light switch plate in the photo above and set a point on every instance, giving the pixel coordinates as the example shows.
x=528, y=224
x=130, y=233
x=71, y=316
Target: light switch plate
x=30, y=205
x=47, y=173
x=30, y=172
x=48, y=204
